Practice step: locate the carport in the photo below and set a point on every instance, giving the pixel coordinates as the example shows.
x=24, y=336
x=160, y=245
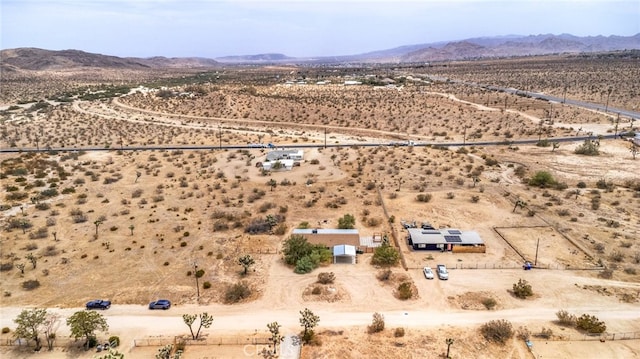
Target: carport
x=344, y=253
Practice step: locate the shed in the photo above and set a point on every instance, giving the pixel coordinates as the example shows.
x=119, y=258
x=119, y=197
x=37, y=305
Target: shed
x=344, y=253
x=446, y=240
x=330, y=237
x=286, y=165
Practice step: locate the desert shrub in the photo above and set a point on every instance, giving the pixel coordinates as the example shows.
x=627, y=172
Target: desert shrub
x=424, y=197
x=398, y=332
x=522, y=289
x=377, y=324
x=6, y=266
x=258, y=225
x=490, y=161
x=606, y=273
x=317, y=290
x=40, y=233
x=565, y=318
x=373, y=222
x=385, y=255
x=542, y=179
x=49, y=192
x=347, y=221
x=588, y=148
x=326, y=277
x=581, y=184
x=199, y=273
x=630, y=270
x=405, y=291
x=114, y=341
x=384, y=275
x=237, y=292
x=5, y=330
x=30, y=284
x=306, y=264
x=524, y=333
x=498, y=331
x=43, y=206
x=281, y=229
x=206, y=285
x=590, y=324
x=475, y=199
x=489, y=303
x=545, y=333
x=50, y=251
x=616, y=256
x=220, y=225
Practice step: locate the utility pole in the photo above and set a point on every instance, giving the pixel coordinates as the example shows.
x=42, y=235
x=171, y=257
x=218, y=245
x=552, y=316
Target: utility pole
x=464, y=135
x=615, y=133
x=220, y=135
x=195, y=273
x=325, y=137
x=609, y=90
x=535, y=262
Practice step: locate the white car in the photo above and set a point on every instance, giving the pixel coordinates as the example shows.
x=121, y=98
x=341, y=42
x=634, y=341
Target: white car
x=428, y=272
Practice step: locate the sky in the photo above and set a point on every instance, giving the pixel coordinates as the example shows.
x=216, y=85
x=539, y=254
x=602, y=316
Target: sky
x=298, y=28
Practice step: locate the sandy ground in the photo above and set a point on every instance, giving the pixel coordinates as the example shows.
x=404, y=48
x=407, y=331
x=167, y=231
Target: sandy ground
x=224, y=180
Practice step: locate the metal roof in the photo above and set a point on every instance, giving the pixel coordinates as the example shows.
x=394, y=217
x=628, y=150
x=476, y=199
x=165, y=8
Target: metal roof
x=444, y=236
x=324, y=231
x=344, y=250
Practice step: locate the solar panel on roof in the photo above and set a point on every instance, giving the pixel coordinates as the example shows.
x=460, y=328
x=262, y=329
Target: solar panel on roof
x=453, y=239
x=454, y=231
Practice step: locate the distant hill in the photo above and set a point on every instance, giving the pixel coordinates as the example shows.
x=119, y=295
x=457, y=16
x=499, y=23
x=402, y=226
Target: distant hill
x=521, y=46
x=25, y=59
x=39, y=59
x=254, y=58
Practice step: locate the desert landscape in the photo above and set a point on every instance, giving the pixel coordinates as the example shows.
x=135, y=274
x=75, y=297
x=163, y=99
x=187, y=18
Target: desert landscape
x=121, y=185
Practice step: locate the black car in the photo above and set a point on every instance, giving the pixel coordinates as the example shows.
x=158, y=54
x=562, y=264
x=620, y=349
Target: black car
x=98, y=304
x=160, y=304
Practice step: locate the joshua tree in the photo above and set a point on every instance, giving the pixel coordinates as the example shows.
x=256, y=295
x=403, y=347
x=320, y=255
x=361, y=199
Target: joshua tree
x=276, y=337
x=519, y=203
x=131, y=228
x=55, y=236
x=32, y=259
x=138, y=174
x=246, y=262
x=634, y=150
x=308, y=321
x=20, y=266
x=449, y=342
x=97, y=223
x=555, y=145
x=205, y=321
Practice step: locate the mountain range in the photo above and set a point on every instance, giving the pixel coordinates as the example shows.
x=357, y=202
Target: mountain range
x=12, y=60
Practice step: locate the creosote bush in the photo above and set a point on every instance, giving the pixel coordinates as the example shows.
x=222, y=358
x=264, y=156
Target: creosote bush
x=565, y=318
x=522, y=289
x=498, y=331
x=377, y=324
x=237, y=292
x=590, y=324
x=405, y=291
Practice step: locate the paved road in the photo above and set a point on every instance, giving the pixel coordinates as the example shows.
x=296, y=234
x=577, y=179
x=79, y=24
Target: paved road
x=289, y=146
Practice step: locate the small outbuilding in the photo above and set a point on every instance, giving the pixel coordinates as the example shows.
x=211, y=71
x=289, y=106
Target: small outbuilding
x=453, y=240
x=278, y=165
x=344, y=253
